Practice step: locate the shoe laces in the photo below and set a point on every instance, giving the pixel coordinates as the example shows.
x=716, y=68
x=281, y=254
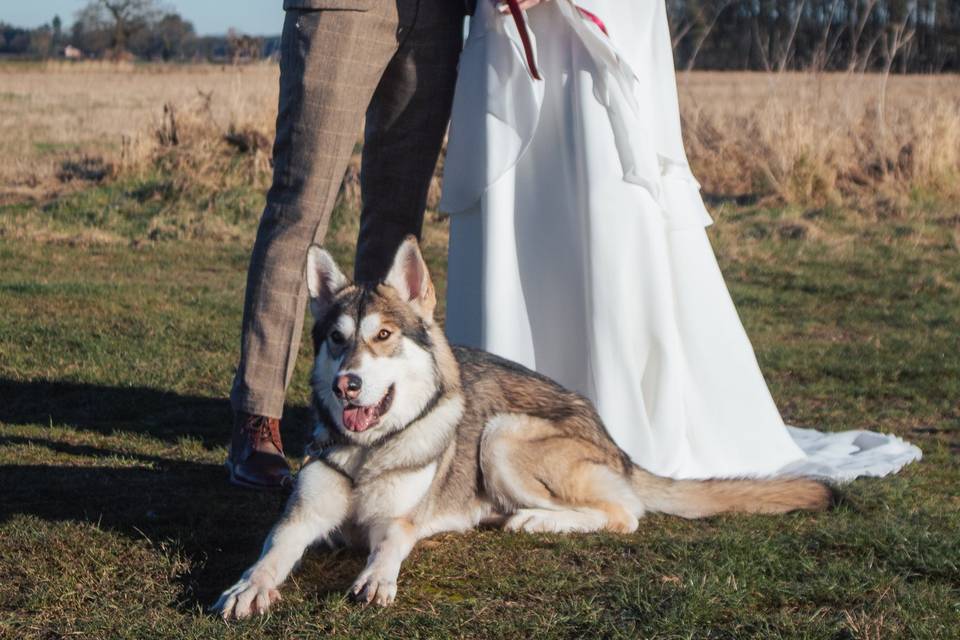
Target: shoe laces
x=260, y=428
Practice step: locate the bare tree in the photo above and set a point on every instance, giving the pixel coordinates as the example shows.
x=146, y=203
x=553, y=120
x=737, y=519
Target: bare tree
x=123, y=18
x=787, y=49
x=683, y=23
x=894, y=40
x=826, y=44
x=858, y=60
x=242, y=47
x=763, y=43
x=718, y=9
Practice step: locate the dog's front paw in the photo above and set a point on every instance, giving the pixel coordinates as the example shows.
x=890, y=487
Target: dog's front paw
x=247, y=597
x=376, y=587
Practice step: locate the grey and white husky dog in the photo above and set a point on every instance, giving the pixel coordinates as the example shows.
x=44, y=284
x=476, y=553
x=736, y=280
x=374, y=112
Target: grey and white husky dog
x=415, y=437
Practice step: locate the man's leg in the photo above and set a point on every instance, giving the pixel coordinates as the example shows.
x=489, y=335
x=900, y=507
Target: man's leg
x=405, y=126
x=331, y=63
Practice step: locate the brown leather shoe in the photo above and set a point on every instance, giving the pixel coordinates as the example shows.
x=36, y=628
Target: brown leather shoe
x=256, y=453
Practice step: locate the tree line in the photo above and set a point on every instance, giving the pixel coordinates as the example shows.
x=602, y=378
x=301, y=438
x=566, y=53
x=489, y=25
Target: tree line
x=129, y=30
x=917, y=36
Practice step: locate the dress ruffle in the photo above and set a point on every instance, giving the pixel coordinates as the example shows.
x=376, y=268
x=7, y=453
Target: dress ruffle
x=562, y=256
x=846, y=455
x=499, y=103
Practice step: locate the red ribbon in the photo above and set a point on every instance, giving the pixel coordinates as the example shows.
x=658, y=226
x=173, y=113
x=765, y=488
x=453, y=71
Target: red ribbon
x=521, y=23
x=524, y=37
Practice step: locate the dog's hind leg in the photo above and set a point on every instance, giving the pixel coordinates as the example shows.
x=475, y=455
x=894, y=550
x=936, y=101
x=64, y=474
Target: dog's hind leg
x=320, y=503
x=555, y=520
x=549, y=481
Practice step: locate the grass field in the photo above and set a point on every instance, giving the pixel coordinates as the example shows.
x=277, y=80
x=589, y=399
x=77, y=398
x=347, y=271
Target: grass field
x=118, y=334
x=805, y=139
x=53, y=114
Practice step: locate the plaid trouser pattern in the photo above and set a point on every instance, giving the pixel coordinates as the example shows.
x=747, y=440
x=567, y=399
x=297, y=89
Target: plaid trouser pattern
x=393, y=66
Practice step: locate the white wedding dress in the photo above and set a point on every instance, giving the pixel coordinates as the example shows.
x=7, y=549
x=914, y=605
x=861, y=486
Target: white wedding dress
x=578, y=248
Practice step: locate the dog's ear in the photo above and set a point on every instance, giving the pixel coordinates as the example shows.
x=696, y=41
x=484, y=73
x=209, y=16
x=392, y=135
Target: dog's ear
x=324, y=280
x=409, y=276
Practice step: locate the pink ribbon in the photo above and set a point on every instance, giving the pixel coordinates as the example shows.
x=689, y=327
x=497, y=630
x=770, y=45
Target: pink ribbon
x=595, y=19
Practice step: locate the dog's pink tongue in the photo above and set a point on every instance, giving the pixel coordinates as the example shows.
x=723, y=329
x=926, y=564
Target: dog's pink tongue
x=359, y=418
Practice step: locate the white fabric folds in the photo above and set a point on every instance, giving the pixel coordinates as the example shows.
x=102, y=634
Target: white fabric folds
x=578, y=248
x=498, y=106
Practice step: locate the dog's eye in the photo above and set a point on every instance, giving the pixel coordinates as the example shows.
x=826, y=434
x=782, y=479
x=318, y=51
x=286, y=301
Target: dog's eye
x=383, y=335
x=336, y=337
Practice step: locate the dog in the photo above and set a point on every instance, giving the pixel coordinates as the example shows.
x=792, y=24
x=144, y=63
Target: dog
x=415, y=437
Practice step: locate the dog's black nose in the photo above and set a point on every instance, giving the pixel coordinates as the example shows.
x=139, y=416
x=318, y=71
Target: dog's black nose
x=348, y=386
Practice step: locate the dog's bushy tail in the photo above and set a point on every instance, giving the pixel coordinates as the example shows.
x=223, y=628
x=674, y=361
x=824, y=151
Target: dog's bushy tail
x=702, y=498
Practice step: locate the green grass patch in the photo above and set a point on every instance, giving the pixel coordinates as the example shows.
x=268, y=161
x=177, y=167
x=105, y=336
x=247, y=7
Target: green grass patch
x=55, y=148
x=117, y=521
x=145, y=207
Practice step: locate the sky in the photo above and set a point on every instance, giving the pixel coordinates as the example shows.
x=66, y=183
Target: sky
x=209, y=17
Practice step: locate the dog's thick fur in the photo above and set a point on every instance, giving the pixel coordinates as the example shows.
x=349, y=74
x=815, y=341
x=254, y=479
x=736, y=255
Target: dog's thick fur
x=458, y=437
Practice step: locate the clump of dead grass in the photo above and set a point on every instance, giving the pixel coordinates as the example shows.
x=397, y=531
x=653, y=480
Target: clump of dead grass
x=793, y=139
x=57, y=114
x=207, y=172
x=816, y=140
x=807, y=141
x=198, y=151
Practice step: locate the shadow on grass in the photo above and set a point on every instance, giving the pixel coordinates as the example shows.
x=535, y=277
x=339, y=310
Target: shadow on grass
x=739, y=200
x=160, y=414
x=189, y=507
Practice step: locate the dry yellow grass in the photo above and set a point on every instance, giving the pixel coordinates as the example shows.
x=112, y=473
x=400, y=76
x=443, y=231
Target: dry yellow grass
x=57, y=113
x=806, y=139
x=821, y=139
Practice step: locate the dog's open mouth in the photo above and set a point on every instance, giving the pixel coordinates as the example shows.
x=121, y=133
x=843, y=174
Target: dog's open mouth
x=359, y=419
